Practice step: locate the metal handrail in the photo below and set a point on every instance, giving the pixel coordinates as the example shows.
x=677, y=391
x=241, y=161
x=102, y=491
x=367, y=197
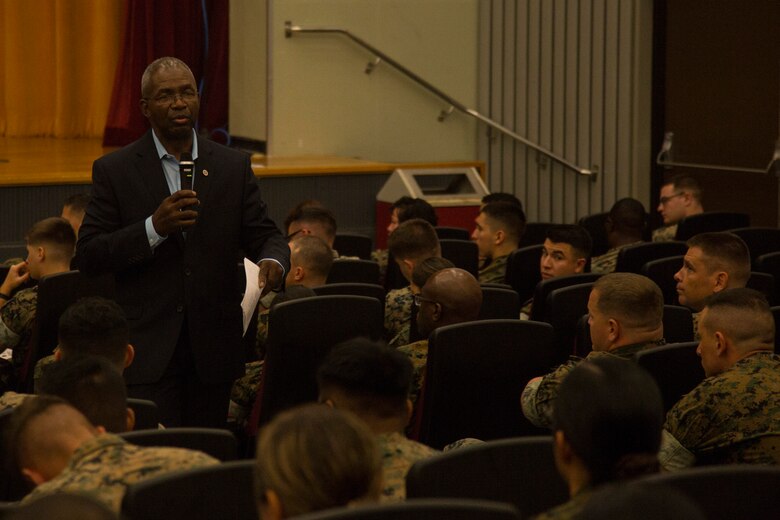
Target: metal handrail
x=290, y=29
x=664, y=158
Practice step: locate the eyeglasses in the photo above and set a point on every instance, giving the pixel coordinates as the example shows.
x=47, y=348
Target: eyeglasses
x=418, y=299
x=291, y=235
x=169, y=98
x=665, y=200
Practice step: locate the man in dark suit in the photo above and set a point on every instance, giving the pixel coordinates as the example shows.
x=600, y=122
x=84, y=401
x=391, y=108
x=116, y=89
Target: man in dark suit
x=174, y=251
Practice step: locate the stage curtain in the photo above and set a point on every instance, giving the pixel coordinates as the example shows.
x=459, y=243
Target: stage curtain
x=153, y=29
x=57, y=66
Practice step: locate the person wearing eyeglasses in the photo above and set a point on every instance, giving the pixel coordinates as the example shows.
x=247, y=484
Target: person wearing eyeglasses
x=680, y=198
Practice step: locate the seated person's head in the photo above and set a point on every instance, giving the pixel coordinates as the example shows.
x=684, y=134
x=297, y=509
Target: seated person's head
x=714, y=262
x=370, y=380
x=73, y=209
x=607, y=422
x=626, y=221
x=313, y=220
x=734, y=324
x=44, y=431
x=295, y=212
x=499, y=227
x=418, y=208
x=680, y=198
x=624, y=309
x=312, y=458
x=63, y=506
x=566, y=251
x=450, y=296
x=412, y=242
x=427, y=268
x=95, y=326
x=94, y=387
x=310, y=261
x=500, y=196
x=51, y=243
x=395, y=211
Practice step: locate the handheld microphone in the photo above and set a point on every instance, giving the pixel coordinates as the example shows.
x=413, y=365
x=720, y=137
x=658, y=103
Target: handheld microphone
x=186, y=167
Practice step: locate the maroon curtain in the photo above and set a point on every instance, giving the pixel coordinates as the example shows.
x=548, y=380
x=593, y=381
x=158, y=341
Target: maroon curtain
x=171, y=28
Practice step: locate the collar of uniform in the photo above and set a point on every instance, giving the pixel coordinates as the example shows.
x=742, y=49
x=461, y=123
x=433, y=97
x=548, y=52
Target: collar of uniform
x=628, y=351
x=98, y=443
x=162, y=153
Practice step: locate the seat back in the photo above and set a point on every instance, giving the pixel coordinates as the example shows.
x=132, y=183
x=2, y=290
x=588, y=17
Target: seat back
x=300, y=334
x=13, y=486
x=221, y=491
x=220, y=444
x=566, y=306
x=345, y=270
x=520, y=471
x=522, y=270
x=632, y=257
x=534, y=233
x=763, y=283
x=431, y=509
x=356, y=289
x=776, y=316
x=678, y=324
x=56, y=292
x=353, y=244
x=769, y=263
x=499, y=303
x=759, y=240
x=462, y=253
x=710, y=221
x=452, y=233
x=594, y=225
x=147, y=415
x=727, y=492
x=539, y=311
x=662, y=272
x=475, y=374
x=676, y=368
x=394, y=279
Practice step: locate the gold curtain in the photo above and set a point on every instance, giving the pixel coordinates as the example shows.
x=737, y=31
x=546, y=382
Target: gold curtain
x=57, y=66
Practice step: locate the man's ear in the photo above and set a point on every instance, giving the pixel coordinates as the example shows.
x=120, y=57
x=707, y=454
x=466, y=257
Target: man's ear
x=33, y=476
x=130, y=419
x=579, y=266
x=721, y=281
x=298, y=273
x=436, y=312
x=721, y=344
x=129, y=355
x=614, y=330
x=271, y=506
x=499, y=237
x=57, y=354
x=144, y=107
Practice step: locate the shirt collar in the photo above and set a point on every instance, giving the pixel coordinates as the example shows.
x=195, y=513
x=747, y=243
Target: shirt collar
x=162, y=152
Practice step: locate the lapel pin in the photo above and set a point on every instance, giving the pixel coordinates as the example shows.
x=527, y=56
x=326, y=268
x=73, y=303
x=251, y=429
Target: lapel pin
x=205, y=173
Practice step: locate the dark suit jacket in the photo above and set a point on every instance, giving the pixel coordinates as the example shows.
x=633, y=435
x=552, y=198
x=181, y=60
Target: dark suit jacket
x=197, y=276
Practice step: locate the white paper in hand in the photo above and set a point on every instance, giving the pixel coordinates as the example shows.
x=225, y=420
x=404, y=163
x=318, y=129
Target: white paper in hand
x=251, y=291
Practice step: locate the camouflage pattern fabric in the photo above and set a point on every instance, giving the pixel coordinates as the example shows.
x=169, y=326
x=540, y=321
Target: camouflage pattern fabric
x=398, y=455
x=398, y=312
x=567, y=510
x=733, y=417
x=463, y=443
x=525, y=310
x=41, y=367
x=539, y=395
x=244, y=393
x=696, y=316
x=495, y=271
x=381, y=256
x=16, y=323
x=12, y=400
x=262, y=332
x=418, y=354
x=606, y=263
x=105, y=466
x=665, y=233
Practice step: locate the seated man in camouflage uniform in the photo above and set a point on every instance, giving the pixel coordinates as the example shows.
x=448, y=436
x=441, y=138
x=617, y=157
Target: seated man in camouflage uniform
x=50, y=246
x=373, y=381
x=713, y=262
x=405, y=208
x=499, y=227
x=625, y=313
x=733, y=416
x=449, y=296
x=58, y=450
x=412, y=242
x=624, y=226
x=680, y=197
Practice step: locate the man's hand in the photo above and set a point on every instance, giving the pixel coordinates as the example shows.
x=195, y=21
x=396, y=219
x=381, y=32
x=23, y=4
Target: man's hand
x=270, y=276
x=17, y=275
x=171, y=216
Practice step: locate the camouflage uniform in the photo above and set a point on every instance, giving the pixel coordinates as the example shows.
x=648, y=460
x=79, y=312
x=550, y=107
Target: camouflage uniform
x=495, y=271
x=732, y=417
x=105, y=466
x=244, y=393
x=381, y=257
x=418, y=354
x=606, y=263
x=696, y=316
x=12, y=400
x=539, y=395
x=525, y=310
x=665, y=233
x=16, y=322
x=398, y=313
x=569, y=509
x=398, y=455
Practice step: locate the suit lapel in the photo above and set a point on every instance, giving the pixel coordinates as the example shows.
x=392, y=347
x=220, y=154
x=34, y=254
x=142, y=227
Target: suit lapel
x=204, y=169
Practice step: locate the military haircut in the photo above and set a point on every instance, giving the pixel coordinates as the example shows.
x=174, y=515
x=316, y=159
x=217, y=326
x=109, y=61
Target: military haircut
x=93, y=386
x=724, y=252
x=375, y=378
x=743, y=315
x=414, y=239
x=77, y=202
x=94, y=326
x=427, y=268
x=317, y=215
x=507, y=217
x=634, y=299
x=500, y=196
x=611, y=412
x=685, y=184
x=164, y=63
x=402, y=203
x=56, y=234
x=628, y=216
x=313, y=254
x=576, y=236
x=418, y=208
x=295, y=213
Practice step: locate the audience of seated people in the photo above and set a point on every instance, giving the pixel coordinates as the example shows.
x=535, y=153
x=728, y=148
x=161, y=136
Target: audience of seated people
x=713, y=262
x=60, y=451
x=412, y=242
x=733, y=416
x=624, y=225
x=680, y=197
x=607, y=429
x=50, y=246
x=499, y=227
x=566, y=251
x=373, y=381
x=625, y=313
x=449, y=296
x=314, y=457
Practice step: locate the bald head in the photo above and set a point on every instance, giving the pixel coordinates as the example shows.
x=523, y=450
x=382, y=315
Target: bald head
x=449, y=296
